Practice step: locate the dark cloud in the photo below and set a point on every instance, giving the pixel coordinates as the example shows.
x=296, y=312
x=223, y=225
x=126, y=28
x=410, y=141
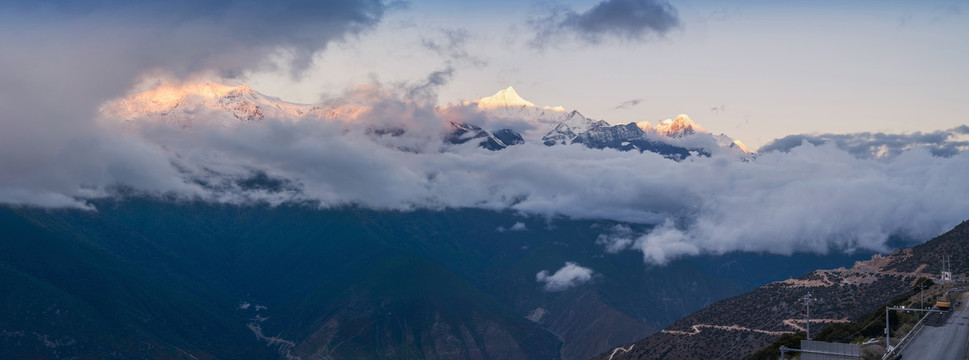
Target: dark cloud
x=876, y=145
x=628, y=104
x=189, y=36
x=630, y=20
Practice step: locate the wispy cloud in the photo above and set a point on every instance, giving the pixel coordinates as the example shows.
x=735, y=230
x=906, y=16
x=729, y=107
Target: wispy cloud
x=628, y=104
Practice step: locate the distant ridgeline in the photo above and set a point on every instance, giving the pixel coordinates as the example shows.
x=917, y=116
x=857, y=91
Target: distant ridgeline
x=745, y=323
x=146, y=278
x=191, y=104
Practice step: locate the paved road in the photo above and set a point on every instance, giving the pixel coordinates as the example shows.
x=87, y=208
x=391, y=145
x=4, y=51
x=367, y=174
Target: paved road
x=948, y=342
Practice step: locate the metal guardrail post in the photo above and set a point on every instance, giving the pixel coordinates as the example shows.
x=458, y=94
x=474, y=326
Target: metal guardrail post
x=889, y=350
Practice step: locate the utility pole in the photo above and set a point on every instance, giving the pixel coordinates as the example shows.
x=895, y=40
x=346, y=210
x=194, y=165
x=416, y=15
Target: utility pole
x=946, y=269
x=807, y=299
x=888, y=332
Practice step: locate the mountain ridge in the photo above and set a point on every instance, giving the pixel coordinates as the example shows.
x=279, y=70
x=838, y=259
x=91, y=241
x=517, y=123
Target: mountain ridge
x=186, y=104
x=756, y=318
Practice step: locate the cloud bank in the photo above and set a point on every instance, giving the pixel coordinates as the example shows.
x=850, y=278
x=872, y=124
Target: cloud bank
x=815, y=198
x=569, y=276
x=875, y=145
x=390, y=155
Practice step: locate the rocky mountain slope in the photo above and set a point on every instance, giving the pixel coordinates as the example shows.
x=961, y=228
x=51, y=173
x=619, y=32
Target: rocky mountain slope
x=736, y=327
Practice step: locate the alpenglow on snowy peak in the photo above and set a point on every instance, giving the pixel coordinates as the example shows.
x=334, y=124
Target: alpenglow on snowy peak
x=184, y=104
x=508, y=98
x=680, y=125
x=190, y=103
x=676, y=139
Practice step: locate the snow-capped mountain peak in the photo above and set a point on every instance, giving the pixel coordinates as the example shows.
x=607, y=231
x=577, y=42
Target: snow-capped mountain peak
x=742, y=146
x=573, y=125
x=506, y=97
x=681, y=125
x=676, y=139
x=645, y=126
x=185, y=104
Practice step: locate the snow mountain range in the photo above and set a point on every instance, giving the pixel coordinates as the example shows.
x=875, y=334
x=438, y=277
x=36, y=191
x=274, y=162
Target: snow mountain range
x=187, y=104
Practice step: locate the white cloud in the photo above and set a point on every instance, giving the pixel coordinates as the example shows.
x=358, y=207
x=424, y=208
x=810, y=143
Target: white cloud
x=619, y=238
x=665, y=243
x=659, y=245
x=816, y=198
x=569, y=276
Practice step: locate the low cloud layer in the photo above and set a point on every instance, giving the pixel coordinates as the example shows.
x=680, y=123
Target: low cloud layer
x=809, y=198
x=569, y=276
x=879, y=145
x=629, y=20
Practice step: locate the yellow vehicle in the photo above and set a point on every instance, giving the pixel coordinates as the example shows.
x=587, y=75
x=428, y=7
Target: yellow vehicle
x=943, y=303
